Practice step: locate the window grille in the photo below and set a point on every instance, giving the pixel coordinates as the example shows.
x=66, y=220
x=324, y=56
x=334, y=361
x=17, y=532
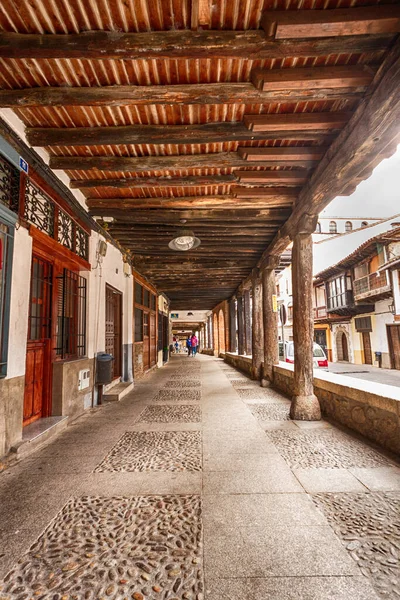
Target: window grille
x=39, y=326
x=39, y=209
x=9, y=185
x=71, y=315
x=363, y=324
x=6, y=247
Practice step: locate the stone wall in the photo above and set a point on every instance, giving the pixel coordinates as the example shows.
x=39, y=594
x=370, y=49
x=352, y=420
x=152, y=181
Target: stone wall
x=67, y=399
x=11, y=412
x=369, y=408
x=243, y=363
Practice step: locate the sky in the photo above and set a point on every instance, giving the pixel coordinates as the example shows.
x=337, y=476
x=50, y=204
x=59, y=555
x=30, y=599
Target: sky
x=377, y=197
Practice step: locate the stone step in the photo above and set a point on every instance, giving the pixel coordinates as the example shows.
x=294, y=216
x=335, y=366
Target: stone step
x=38, y=434
x=118, y=391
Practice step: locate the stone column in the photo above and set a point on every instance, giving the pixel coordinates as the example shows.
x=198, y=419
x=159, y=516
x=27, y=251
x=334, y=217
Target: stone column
x=305, y=405
x=247, y=322
x=232, y=325
x=257, y=351
x=270, y=316
x=209, y=325
x=240, y=318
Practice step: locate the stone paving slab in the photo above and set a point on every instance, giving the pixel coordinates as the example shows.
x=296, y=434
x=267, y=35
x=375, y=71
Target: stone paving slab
x=115, y=548
x=183, y=383
x=184, y=395
x=325, y=449
x=369, y=526
x=155, y=451
x=170, y=414
x=328, y=480
x=379, y=479
x=271, y=480
x=270, y=412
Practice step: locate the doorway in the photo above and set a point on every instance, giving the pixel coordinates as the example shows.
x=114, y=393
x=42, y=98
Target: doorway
x=342, y=347
x=146, y=340
x=394, y=345
x=37, y=394
x=366, y=340
x=153, y=339
x=114, y=328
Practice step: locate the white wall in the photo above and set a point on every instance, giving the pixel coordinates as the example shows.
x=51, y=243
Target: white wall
x=19, y=308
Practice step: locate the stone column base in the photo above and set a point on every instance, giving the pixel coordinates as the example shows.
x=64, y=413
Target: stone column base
x=305, y=408
x=265, y=383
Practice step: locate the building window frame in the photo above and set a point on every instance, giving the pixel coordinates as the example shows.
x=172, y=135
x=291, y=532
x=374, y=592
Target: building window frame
x=332, y=227
x=70, y=334
x=348, y=226
x=7, y=220
x=144, y=304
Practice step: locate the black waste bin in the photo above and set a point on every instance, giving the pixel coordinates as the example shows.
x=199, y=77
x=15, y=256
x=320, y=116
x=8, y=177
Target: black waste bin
x=104, y=368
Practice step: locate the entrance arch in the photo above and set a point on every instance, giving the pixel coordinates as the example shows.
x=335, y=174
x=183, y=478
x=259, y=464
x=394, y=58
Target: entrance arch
x=342, y=347
x=215, y=335
x=221, y=332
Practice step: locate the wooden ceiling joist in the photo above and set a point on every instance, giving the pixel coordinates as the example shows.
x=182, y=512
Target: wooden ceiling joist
x=156, y=134
x=304, y=24
x=259, y=193
x=177, y=44
x=326, y=121
x=133, y=164
x=154, y=182
x=273, y=216
x=295, y=153
x=313, y=78
x=281, y=177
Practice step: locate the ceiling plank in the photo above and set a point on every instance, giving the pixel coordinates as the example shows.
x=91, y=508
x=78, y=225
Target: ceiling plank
x=164, y=216
x=177, y=44
x=335, y=22
x=151, y=182
x=313, y=78
x=297, y=122
x=156, y=134
x=293, y=177
x=201, y=93
x=295, y=153
x=261, y=193
x=160, y=163
x=201, y=14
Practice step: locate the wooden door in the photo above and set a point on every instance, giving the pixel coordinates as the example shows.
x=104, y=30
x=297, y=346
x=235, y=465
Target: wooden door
x=37, y=397
x=394, y=345
x=114, y=328
x=153, y=340
x=345, y=349
x=146, y=340
x=367, y=348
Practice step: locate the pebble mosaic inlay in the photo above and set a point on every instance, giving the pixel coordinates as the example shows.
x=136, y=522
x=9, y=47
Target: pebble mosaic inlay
x=270, y=412
x=239, y=383
x=324, y=449
x=184, y=395
x=369, y=526
x=141, y=548
x=255, y=393
x=154, y=451
x=170, y=414
x=183, y=383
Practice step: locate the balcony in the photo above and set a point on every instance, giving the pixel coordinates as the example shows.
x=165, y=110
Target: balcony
x=320, y=312
x=343, y=305
x=375, y=285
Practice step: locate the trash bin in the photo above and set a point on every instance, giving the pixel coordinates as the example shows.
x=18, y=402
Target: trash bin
x=378, y=358
x=104, y=368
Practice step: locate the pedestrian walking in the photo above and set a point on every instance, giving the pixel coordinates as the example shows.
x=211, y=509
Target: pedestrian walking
x=194, y=343
x=189, y=345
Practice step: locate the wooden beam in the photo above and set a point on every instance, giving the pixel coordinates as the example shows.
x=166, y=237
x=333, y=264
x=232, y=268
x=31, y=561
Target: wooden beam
x=165, y=216
x=331, y=23
x=368, y=134
x=154, y=134
x=313, y=78
x=297, y=122
x=293, y=153
x=260, y=193
x=281, y=195
x=176, y=44
x=151, y=182
x=199, y=93
x=281, y=177
x=162, y=163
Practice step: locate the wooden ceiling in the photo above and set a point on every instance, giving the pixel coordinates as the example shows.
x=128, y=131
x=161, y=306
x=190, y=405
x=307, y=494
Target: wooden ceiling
x=204, y=114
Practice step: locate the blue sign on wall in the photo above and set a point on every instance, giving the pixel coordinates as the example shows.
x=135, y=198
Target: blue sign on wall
x=174, y=315
x=23, y=165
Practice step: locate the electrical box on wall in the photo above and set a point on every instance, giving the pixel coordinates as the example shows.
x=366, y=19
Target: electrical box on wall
x=84, y=379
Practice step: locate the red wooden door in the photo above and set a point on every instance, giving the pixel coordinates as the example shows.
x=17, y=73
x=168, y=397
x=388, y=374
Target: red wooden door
x=114, y=328
x=146, y=341
x=367, y=348
x=153, y=340
x=37, y=398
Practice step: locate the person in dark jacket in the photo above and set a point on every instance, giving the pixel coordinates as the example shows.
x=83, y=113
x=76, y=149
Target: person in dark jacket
x=189, y=345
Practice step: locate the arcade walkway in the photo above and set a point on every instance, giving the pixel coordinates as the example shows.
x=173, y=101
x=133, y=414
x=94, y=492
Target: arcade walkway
x=289, y=510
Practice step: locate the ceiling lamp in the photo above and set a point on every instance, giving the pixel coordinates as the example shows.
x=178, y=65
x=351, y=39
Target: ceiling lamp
x=184, y=240
x=190, y=314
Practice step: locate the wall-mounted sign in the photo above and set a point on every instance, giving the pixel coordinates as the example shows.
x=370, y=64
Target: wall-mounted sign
x=274, y=303
x=23, y=165
x=174, y=315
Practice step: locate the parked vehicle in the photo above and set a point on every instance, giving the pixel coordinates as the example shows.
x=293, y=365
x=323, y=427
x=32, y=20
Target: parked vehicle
x=320, y=359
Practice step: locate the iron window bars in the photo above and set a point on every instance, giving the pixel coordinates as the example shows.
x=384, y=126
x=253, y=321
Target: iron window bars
x=71, y=315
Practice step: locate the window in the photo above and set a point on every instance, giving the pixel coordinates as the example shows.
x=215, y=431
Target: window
x=71, y=315
x=153, y=302
x=138, y=325
x=138, y=293
x=338, y=292
x=146, y=297
x=348, y=226
x=6, y=243
x=364, y=223
x=363, y=324
x=318, y=228
x=332, y=227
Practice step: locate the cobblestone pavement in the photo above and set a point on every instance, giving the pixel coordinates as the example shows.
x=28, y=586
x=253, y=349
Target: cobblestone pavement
x=197, y=486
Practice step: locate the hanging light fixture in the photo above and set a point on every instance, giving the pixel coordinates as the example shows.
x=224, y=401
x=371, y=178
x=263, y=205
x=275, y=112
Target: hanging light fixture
x=184, y=240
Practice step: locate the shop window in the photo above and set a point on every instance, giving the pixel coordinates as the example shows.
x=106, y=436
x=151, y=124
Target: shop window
x=138, y=325
x=332, y=227
x=153, y=302
x=6, y=242
x=146, y=298
x=71, y=315
x=138, y=293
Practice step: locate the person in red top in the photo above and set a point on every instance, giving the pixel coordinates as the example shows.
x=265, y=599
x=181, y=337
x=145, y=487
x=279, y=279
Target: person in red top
x=195, y=343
